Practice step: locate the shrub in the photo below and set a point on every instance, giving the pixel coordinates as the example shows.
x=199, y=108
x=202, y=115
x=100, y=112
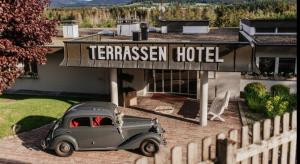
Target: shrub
x=256, y=104
x=255, y=95
x=280, y=90
x=255, y=89
x=292, y=99
x=276, y=105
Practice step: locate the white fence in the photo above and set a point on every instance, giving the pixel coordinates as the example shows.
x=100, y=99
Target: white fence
x=270, y=141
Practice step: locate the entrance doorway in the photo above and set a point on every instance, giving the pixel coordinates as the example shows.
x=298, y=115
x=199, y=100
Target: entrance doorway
x=178, y=82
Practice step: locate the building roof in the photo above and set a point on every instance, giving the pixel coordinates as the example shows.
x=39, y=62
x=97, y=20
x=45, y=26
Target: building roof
x=267, y=23
x=214, y=35
x=184, y=22
x=275, y=39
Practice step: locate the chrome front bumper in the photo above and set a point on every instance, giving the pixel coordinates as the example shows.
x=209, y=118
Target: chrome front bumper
x=44, y=144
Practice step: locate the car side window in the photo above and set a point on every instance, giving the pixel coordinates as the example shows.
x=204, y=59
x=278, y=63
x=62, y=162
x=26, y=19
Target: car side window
x=98, y=121
x=80, y=122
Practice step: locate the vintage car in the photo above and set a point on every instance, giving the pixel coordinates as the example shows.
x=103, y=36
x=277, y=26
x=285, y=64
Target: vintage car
x=101, y=126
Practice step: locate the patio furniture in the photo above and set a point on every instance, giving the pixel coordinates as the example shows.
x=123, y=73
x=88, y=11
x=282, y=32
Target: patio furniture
x=218, y=107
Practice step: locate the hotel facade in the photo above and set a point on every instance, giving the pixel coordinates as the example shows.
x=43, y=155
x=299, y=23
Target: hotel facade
x=186, y=58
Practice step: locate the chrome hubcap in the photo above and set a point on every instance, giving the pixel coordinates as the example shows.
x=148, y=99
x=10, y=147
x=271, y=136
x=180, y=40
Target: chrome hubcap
x=150, y=147
x=65, y=147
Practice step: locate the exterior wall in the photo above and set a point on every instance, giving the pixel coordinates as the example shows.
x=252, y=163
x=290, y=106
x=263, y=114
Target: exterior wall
x=55, y=78
x=272, y=51
x=248, y=29
x=127, y=29
x=223, y=82
x=139, y=83
x=269, y=83
x=195, y=29
x=70, y=31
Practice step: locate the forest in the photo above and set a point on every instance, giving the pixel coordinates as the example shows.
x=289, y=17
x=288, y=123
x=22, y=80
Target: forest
x=219, y=15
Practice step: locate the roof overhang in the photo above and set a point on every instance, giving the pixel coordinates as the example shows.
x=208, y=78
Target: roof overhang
x=237, y=56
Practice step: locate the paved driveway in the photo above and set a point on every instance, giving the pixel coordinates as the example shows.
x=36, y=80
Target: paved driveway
x=24, y=148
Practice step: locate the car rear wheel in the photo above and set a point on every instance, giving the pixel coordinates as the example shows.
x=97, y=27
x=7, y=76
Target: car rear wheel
x=64, y=149
x=149, y=147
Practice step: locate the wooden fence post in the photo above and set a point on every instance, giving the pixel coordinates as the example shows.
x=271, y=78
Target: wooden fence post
x=142, y=160
x=276, y=131
x=245, y=141
x=176, y=157
x=285, y=128
x=256, y=139
x=219, y=150
x=227, y=150
x=266, y=135
x=233, y=136
x=293, y=146
x=192, y=153
x=206, y=143
x=163, y=156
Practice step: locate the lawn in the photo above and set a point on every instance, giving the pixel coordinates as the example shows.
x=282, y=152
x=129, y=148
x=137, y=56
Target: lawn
x=29, y=112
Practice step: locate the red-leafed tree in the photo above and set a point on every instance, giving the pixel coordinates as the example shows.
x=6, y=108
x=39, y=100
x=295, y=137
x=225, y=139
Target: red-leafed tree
x=23, y=33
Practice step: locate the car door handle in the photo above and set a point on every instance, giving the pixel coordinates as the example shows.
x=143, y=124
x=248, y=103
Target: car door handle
x=68, y=131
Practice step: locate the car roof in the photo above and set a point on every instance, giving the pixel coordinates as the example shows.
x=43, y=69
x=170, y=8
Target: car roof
x=92, y=108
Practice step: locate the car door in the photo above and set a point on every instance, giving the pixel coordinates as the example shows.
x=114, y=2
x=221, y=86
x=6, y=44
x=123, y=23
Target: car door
x=106, y=135
x=81, y=131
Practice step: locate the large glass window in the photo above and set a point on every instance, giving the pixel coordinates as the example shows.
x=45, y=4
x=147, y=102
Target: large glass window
x=286, y=66
x=173, y=81
x=267, y=66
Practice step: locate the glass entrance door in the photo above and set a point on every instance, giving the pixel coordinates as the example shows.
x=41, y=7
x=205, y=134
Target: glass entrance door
x=172, y=81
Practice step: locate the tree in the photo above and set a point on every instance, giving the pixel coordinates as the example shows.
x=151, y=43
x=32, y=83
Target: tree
x=23, y=33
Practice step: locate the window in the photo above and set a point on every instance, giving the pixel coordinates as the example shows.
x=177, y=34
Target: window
x=173, y=81
x=267, y=66
x=100, y=121
x=80, y=122
x=30, y=69
x=286, y=66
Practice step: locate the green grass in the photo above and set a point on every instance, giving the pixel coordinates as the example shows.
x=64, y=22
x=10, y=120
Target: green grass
x=30, y=112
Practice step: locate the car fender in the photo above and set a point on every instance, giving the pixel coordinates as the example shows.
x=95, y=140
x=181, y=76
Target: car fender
x=135, y=141
x=64, y=138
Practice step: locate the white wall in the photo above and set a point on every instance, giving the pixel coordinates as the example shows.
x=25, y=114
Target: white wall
x=223, y=82
x=247, y=29
x=70, y=31
x=269, y=83
x=195, y=29
x=127, y=29
x=55, y=78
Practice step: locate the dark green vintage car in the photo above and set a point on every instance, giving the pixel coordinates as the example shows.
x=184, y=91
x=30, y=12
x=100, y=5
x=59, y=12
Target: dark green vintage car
x=101, y=126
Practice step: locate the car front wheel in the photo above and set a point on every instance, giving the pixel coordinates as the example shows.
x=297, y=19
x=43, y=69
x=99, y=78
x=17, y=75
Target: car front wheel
x=64, y=149
x=149, y=147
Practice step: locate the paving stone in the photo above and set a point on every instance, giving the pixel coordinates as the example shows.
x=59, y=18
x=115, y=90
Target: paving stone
x=178, y=132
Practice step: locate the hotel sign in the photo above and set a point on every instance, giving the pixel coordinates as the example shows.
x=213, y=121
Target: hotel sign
x=155, y=53
x=159, y=55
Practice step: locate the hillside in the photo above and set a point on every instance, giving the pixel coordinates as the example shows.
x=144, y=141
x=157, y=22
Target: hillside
x=83, y=3
x=219, y=15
